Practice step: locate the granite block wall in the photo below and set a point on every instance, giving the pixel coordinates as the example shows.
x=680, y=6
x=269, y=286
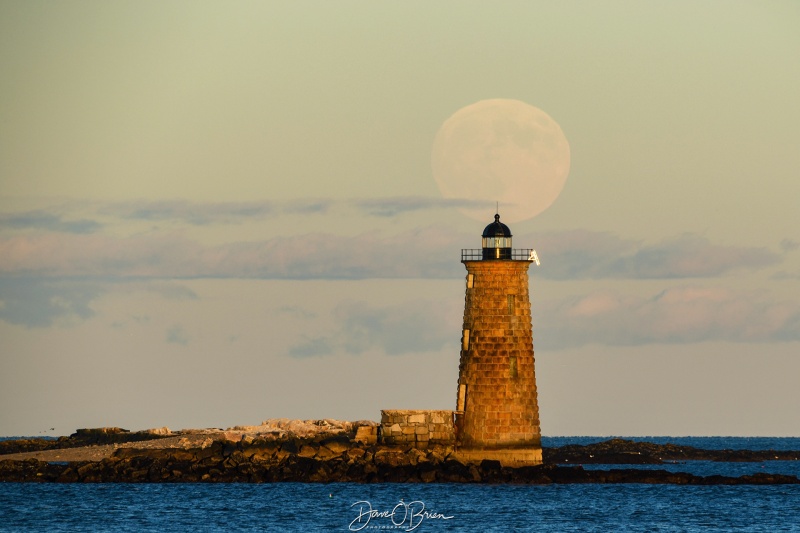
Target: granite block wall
x=416, y=428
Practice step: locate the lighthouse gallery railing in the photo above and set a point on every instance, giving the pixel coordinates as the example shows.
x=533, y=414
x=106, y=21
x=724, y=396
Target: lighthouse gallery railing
x=476, y=254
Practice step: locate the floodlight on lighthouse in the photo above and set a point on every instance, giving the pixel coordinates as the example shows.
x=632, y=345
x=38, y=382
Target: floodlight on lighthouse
x=534, y=257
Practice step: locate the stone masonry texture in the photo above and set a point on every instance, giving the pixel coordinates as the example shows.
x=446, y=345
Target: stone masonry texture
x=416, y=428
x=497, y=384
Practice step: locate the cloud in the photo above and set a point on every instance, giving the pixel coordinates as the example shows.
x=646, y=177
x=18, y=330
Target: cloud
x=197, y=214
x=430, y=252
x=41, y=220
x=78, y=248
x=176, y=335
x=312, y=347
x=37, y=303
x=389, y=207
x=409, y=327
x=677, y=315
x=296, y=311
x=583, y=254
x=205, y=213
x=425, y=253
x=788, y=245
x=575, y=254
x=171, y=291
x=308, y=206
x=782, y=275
x=689, y=256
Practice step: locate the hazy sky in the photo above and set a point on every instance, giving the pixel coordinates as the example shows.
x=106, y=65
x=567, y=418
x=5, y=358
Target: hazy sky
x=214, y=213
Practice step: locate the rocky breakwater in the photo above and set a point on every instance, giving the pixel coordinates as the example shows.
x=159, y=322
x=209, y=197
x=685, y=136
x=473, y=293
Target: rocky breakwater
x=82, y=438
x=622, y=451
x=325, y=454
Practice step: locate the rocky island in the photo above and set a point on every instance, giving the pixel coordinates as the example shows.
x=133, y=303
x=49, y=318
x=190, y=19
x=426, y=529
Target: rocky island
x=335, y=451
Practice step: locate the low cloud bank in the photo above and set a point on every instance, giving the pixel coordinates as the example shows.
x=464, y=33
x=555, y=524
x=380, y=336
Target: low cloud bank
x=584, y=254
x=680, y=315
x=676, y=315
x=430, y=252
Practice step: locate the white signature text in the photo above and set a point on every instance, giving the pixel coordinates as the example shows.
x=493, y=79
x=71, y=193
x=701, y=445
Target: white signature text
x=405, y=515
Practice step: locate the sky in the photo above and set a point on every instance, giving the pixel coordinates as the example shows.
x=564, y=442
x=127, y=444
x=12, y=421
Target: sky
x=216, y=213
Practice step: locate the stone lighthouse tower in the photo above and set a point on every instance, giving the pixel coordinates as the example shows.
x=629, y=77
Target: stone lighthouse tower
x=497, y=414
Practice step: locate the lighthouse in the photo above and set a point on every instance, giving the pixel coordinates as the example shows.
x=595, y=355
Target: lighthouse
x=497, y=414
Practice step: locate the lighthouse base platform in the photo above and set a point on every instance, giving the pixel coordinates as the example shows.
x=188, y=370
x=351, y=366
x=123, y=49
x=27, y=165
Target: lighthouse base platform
x=513, y=457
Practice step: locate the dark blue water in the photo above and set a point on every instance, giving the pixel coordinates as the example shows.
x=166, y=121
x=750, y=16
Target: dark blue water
x=705, y=443
x=337, y=506
x=317, y=507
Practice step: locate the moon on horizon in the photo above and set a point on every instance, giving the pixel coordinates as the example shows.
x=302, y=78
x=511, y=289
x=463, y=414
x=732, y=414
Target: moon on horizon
x=501, y=150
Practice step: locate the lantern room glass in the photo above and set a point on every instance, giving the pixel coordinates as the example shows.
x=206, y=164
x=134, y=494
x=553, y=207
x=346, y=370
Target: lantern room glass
x=496, y=242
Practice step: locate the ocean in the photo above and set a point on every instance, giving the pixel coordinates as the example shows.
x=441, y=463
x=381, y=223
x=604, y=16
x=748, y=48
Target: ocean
x=424, y=507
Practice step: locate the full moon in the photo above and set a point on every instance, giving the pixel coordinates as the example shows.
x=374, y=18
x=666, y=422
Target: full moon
x=502, y=151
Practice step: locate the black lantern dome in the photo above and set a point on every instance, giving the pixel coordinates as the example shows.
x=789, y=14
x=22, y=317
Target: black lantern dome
x=496, y=240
